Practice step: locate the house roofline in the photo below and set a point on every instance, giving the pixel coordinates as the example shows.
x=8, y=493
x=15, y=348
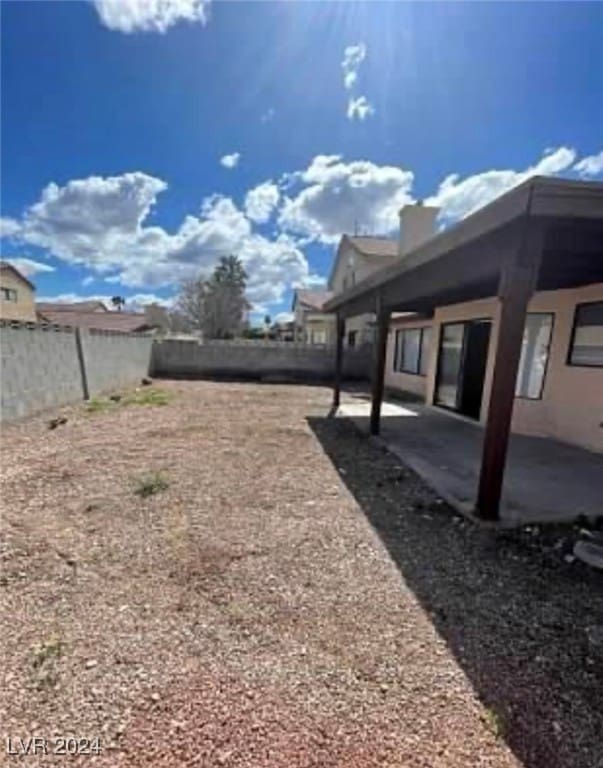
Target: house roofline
x=550, y=198
x=17, y=273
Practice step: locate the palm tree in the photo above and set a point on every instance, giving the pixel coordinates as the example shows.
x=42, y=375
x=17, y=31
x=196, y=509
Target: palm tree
x=118, y=301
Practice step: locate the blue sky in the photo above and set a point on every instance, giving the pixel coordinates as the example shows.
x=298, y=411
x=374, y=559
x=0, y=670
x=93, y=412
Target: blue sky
x=142, y=141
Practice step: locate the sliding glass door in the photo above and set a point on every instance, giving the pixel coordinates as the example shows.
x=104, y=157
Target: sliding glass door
x=449, y=365
x=462, y=366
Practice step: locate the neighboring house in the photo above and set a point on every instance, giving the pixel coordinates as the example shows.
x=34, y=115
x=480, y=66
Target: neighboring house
x=283, y=331
x=540, y=244
x=124, y=322
x=17, y=295
x=312, y=324
x=359, y=257
x=157, y=317
x=74, y=306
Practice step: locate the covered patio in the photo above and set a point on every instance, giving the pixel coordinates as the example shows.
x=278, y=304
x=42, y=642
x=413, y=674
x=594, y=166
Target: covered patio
x=546, y=481
x=544, y=235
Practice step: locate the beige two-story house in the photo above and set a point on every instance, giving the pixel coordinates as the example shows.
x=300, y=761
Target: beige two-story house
x=360, y=256
x=17, y=295
x=312, y=325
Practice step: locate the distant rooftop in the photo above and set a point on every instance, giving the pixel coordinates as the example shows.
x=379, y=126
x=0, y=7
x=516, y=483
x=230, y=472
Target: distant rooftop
x=126, y=322
x=314, y=299
x=74, y=306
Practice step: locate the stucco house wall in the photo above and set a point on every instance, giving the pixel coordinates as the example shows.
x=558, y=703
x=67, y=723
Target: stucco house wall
x=416, y=384
x=317, y=325
x=351, y=267
x=24, y=309
x=571, y=406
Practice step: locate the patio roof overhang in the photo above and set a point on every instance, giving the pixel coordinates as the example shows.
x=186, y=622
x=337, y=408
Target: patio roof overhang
x=545, y=234
x=464, y=262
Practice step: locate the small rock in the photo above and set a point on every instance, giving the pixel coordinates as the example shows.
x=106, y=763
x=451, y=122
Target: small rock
x=155, y=697
x=54, y=423
x=569, y=558
x=115, y=398
x=91, y=663
x=146, y=382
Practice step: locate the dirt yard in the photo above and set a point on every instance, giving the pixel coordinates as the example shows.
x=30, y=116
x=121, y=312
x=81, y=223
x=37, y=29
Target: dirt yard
x=224, y=577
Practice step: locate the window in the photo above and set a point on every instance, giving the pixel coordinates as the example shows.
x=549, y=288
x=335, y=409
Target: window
x=411, y=354
x=534, y=355
x=425, y=349
x=8, y=294
x=352, y=339
x=318, y=337
x=586, y=346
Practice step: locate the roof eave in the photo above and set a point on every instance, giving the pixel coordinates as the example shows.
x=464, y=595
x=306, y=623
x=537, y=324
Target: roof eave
x=550, y=198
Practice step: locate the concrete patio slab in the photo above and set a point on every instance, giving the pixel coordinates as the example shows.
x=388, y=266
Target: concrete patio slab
x=546, y=481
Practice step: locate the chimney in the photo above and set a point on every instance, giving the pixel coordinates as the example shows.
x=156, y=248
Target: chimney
x=417, y=224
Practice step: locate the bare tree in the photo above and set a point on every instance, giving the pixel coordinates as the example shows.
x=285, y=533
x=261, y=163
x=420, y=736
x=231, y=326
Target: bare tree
x=216, y=306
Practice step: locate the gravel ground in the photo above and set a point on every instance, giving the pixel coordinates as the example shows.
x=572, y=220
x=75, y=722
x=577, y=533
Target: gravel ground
x=293, y=598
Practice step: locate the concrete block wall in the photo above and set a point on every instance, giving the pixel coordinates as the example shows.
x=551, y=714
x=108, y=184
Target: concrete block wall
x=41, y=368
x=254, y=360
x=114, y=360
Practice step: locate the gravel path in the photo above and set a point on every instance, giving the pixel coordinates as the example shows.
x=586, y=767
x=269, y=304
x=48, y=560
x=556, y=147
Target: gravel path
x=293, y=598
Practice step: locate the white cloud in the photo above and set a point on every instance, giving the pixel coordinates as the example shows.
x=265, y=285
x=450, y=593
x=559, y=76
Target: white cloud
x=284, y=317
x=9, y=227
x=591, y=165
x=94, y=221
x=230, y=161
x=312, y=281
x=29, y=267
x=135, y=302
x=272, y=266
x=102, y=223
x=353, y=56
x=261, y=201
x=337, y=197
x=459, y=197
x=360, y=108
x=150, y=15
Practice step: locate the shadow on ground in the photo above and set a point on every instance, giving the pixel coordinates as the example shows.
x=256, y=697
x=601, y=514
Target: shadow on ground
x=517, y=617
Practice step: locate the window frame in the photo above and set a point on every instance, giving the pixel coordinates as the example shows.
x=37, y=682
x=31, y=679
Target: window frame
x=568, y=358
x=548, y=357
x=396, y=368
x=7, y=292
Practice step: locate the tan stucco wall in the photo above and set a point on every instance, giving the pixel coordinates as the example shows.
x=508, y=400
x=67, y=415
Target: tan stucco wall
x=24, y=308
x=571, y=407
x=318, y=323
x=405, y=382
x=351, y=261
x=363, y=325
